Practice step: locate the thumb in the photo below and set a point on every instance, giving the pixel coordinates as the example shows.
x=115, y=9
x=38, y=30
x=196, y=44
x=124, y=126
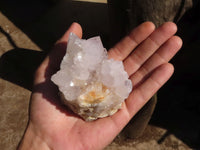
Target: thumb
x=75, y=28
x=52, y=62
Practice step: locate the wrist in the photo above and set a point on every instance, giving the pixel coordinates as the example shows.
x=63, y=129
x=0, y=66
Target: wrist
x=32, y=141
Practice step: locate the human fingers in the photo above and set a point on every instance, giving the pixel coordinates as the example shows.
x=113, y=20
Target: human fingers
x=52, y=62
x=161, y=56
x=142, y=93
x=145, y=50
x=122, y=49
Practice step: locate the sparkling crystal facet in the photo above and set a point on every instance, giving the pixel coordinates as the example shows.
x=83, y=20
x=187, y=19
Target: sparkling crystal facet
x=92, y=85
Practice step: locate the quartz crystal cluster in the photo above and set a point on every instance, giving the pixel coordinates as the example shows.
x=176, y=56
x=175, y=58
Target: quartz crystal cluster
x=92, y=85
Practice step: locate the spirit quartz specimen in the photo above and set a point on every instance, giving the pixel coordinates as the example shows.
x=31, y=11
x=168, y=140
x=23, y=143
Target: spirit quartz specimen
x=92, y=85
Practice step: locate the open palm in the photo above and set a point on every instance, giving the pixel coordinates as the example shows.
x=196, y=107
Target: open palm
x=145, y=53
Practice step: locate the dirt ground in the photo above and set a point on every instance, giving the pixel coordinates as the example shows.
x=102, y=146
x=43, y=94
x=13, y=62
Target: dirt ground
x=25, y=38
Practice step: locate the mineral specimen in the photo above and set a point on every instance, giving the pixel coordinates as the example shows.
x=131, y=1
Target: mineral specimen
x=92, y=85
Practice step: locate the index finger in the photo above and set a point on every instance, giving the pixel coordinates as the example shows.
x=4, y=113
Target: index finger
x=122, y=49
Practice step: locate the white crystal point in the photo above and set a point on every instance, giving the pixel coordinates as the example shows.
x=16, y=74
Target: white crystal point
x=92, y=85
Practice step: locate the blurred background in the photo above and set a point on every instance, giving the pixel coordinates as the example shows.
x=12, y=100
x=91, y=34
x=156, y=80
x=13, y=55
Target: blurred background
x=28, y=30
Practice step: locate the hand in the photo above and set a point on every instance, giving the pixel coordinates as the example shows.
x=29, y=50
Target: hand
x=145, y=53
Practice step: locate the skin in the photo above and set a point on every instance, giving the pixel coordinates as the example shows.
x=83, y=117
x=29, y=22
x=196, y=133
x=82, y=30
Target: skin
x=145, y=53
